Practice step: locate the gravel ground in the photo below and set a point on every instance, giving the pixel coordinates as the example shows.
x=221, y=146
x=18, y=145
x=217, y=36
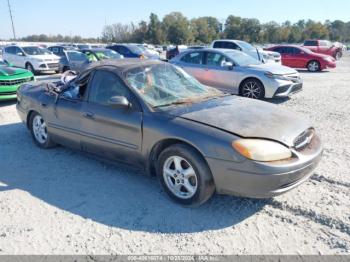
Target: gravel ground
x=63, y=202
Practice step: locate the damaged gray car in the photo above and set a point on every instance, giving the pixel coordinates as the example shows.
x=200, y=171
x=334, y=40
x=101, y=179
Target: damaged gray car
x=155, y=116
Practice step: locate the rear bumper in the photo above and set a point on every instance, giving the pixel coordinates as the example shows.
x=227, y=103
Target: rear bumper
x=263, y=180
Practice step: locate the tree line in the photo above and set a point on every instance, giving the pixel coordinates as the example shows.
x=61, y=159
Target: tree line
x=175, y=28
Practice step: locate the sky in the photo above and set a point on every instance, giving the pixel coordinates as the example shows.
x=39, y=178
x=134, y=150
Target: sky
x=87, y=18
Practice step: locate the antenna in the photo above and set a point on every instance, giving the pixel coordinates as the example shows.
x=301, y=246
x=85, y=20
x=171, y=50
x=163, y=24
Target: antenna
x=13, y=27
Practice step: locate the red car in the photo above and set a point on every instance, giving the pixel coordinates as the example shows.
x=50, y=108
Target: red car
x=324, y=47
x=300, y=57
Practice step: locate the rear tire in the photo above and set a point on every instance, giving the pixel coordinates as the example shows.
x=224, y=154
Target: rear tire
x=38, y=129
x=252, y=88
x=184, y=175
x=314, y=66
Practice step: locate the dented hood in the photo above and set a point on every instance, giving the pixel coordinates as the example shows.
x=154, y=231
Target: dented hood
x=246, y=118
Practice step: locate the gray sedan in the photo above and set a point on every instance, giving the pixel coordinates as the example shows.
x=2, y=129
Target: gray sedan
x=155, y=116
x=235, y=72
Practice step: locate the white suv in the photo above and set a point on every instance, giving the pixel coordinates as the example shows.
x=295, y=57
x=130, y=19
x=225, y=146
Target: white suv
x=32, y=58
x=257, y=53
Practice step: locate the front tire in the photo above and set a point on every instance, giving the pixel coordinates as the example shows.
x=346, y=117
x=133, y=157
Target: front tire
x=30, y=67
x=185, y=175
x=314, y=66
x=338, y=55
x=38, y=129
x=252, y=88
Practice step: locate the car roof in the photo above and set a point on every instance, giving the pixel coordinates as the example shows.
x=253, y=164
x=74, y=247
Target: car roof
x=94, y=49
x=124, y=64
x=227, y=40
x=218, y=50
x=297, y=46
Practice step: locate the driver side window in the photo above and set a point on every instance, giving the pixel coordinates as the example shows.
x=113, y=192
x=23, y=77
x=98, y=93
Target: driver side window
x=104, y=86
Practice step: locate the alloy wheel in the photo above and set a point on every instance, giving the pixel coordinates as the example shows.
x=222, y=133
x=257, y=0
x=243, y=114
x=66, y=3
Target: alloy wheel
x=39, y=129
x=180, y=177
x=251, y=89
x=314, y=66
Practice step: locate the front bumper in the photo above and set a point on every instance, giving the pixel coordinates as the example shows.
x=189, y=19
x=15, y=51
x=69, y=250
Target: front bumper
x=330, y=65
x=47, y=67
x=285, y=91
x=264, y=179
x=282, y=87
x=8, y=92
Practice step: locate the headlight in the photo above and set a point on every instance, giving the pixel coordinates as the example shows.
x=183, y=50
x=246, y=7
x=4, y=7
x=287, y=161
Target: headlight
x=328, y=59
x=270, y=75
x=261, y=150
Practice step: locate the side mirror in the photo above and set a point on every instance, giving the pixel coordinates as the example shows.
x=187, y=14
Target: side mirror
x=228, y=65
x=119, y=102
x=20, y=54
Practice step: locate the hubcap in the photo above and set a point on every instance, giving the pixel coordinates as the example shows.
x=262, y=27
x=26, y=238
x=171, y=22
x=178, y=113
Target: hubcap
x=39, y=129
x=313, y=66
x=180, y=177
x=251, y=90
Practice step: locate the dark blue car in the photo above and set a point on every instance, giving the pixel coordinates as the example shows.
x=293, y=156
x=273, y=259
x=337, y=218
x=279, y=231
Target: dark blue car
x=127, y=50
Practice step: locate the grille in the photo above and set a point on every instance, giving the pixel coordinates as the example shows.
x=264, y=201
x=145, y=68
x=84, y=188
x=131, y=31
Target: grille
x=8, y=93
x=53, y=65
x=14, y=82
x=304, y=139
x=296, y=88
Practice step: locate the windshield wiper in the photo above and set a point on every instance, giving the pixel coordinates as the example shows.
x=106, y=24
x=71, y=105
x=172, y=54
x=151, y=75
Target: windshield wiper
x=179, y=102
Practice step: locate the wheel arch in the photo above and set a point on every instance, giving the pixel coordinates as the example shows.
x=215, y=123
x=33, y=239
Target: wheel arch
x=161, y=145
x=28, y=63
x=30, y=113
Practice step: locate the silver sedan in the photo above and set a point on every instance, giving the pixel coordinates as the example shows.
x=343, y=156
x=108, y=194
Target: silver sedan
x=235, y=72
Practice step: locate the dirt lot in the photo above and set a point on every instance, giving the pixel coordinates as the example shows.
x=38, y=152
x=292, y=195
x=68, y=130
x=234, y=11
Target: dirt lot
x=62, y=202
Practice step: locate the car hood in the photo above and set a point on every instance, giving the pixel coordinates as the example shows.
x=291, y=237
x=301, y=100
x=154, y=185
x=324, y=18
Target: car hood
x=274, y=69
x=10, y=71
x=246, y=118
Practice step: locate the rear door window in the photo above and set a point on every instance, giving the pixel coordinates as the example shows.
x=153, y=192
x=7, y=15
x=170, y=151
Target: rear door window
x=10, y=49
x=193, y=58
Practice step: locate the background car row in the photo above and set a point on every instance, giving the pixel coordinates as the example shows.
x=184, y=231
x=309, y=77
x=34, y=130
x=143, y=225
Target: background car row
x=246, y=70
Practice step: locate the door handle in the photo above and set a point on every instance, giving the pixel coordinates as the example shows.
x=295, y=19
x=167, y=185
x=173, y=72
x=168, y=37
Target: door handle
x=88, y=115
x=43, y=104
